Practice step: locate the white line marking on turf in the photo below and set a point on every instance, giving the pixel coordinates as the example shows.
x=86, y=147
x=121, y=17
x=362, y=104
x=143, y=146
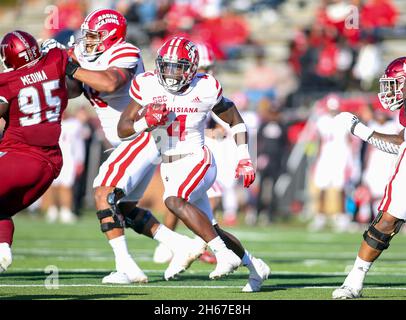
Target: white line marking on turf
x=275, y=273
x=184, y=287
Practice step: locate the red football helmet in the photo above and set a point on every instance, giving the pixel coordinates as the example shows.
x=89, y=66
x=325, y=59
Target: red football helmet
x=102, y=29
x=392, y=83
x=18, y=49
x=177, y=63
x=206, y=57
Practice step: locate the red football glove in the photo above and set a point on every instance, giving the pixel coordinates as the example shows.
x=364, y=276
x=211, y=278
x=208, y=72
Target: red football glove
x=246, y=170
x=156, y=114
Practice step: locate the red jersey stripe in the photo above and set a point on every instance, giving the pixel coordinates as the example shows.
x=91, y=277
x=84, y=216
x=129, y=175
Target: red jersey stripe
x=134, y=94
x=123, y=167
x=125, y=55
x=386, y=206
x=125, y=48
x=220, y=93
x=121, y=156
x=191, y=175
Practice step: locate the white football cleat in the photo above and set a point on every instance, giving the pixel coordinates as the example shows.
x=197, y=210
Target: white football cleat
x=52, y=214
x=257, y=276
x=127, y=272
x=227, y=262
x=183, y=257
x=6, y=257
x=122, y=278
x=346, y=292
x=162, y=254
x=116, y=278
x=67, y=216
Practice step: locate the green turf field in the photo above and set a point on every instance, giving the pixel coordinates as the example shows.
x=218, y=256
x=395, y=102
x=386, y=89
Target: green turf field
x=304, y=265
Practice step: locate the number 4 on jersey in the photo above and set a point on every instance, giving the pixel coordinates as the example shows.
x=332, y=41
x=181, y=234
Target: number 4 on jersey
x=178, y=127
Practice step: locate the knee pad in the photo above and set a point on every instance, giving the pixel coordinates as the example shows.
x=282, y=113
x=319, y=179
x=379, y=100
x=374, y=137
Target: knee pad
x=113, y=199
x=379, y=240
x=107, y=226
x=137, y=224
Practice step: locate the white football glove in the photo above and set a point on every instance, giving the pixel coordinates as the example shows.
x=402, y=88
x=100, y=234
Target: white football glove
x=351, y=122
x=346, y=120
x=49, y=44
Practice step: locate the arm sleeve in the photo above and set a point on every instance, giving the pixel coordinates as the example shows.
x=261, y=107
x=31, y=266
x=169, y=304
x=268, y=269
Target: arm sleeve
x=218, y=92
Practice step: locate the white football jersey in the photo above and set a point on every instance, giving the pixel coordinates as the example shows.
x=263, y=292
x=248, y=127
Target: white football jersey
x=184, y=132
x=109, y=106
x=334, y=140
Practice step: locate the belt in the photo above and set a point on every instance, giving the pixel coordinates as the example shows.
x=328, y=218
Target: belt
x=168, y=159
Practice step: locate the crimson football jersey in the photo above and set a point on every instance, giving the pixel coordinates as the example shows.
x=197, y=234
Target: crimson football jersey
x=402, y=116
x=37, y=96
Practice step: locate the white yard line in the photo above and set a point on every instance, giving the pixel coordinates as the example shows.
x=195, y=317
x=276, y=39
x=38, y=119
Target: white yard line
x=181, y=286
x=243, y=271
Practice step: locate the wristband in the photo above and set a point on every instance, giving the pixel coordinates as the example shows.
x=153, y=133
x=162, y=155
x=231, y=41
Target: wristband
x=241, y=127
x=362, y=131
x=71, y=68
x=140, y=126
x=242, y=152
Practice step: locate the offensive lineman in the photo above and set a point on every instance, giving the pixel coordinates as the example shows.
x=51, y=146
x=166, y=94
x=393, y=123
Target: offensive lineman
x=188, y=168
x=106, y=66
x=392, y=209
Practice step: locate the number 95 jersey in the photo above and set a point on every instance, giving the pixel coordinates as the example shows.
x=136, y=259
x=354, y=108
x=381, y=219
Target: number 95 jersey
x=184, y=132
x=37, y=96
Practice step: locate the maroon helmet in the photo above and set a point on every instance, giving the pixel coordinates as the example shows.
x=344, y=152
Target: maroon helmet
x=177, y=63
x=18, y=49
x=392, y=83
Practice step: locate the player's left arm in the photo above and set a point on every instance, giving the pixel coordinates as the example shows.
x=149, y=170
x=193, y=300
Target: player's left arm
x=108, y=80
x=226, y=110
x=388, y=143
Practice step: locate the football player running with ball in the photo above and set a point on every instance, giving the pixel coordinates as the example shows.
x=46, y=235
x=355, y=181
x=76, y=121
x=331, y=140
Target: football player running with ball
x=188, y=168
x=105, y=63
x=392, y=209
x=33, y=96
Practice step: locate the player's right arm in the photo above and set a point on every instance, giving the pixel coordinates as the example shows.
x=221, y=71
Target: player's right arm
x=389, y=143
x=75, y=87
x=133, y=121
x=101, y=80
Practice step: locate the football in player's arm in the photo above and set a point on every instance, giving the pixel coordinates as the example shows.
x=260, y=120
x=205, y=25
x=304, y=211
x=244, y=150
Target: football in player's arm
x=131, y=124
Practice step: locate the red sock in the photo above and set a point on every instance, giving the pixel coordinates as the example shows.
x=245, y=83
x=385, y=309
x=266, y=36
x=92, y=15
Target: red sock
x=6, y=231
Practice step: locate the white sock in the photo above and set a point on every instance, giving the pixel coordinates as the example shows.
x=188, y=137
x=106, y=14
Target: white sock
x=217, y=244
x=355, y=278
x=199, y=240
x=168, y=237
x=4, y=246
x=119, y=246
x=247, y=260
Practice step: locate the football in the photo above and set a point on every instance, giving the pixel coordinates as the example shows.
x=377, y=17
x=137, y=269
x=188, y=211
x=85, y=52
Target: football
x=142, y=112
